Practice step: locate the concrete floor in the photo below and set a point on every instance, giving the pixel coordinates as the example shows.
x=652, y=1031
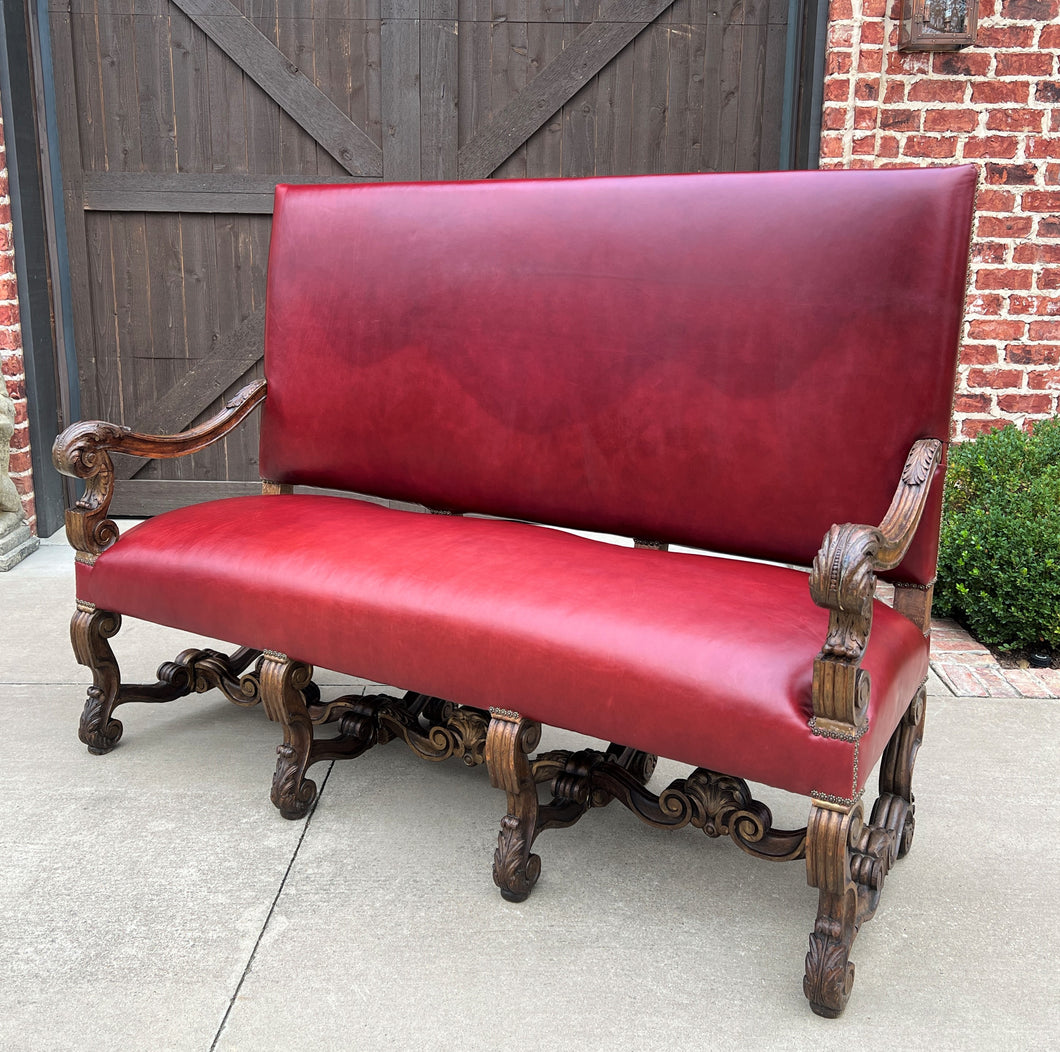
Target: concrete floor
x=152, y=899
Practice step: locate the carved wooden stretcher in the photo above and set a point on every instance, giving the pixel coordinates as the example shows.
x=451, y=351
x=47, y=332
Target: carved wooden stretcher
x=741, y=364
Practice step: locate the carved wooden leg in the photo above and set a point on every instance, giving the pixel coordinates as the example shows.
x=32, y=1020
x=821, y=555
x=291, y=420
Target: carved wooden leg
x=509, y=740
x=283, y=685
x=894, y=808
x=89, y=631
x=830, y=834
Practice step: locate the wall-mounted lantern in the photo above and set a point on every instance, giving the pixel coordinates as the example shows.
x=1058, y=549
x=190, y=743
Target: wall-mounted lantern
x=938, y=25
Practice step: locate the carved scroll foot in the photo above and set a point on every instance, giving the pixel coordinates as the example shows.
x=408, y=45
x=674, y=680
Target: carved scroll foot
x=284, y=684
x=89, y=631
x=847, y=861
x=830, y=835
x=509, y=740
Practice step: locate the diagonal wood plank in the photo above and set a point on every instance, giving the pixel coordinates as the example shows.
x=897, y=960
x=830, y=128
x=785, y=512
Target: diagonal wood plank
x=619, y=22
x=201, y=385
x=286, y=84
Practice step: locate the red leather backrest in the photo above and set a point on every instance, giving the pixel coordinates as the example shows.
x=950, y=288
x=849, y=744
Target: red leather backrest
x=726, y=361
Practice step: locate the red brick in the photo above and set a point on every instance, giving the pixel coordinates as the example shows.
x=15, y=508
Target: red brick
x=24, y=484
x=986, y=304
x=1014, y=120
x=900, y=120
x=16, y=387
x=867, y=89
x=1024, y=64
x=1003, y=278
x=1030, y=10
x=20, y=462
x=1049, y=279
x=961, y=63
x=993, y=329
x=8, y=289
x=838, y=10
x=873, y=8
x=1046, y=146
x=5, y=229
x=939, y=91
x=870, y=60
x=995, y=91
x=1039, y=305
x=1052, y=174
x=836, y=89
x=840, y=34
x=979, y=354
x=861, y=162
x=887, y=146
x=1005, y=36
x=1005, y=226
x=1043, y=381
x=1015, y=174
x=1000, y=146
x=864, y=117
x=831, y=146
x=929, y=146
x=9, y=314
x=995, y=201
x=1041, y=201
x=21, y=413
x=1044, y=330
x=1050, y=37
x=995, y=379
x=951, y=120
x=1047, y=91
x=990, y=252
x=12, y=365
x=975, y=426
x=1037, y=254
x=1025, y=403
x=839, y=62
x=1032, y=354
x=1048, y=227
x=10, y=340
x=895, y=93
x=872, y=32
x=972, y=403
x=864, y=146
x=834, y=118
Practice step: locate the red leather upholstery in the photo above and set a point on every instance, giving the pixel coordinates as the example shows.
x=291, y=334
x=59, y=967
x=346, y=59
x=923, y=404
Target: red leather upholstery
x=728, y=361
x=704, y=660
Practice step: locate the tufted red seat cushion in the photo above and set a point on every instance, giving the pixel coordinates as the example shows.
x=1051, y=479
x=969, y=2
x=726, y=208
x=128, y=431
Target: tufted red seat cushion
x=702, y=659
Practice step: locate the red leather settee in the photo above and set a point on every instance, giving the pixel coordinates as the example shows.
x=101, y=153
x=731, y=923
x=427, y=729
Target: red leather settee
x=758, y=366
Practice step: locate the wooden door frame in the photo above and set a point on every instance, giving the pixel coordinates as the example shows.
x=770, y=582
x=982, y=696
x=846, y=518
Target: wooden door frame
x=52, y=383
x=51, y=400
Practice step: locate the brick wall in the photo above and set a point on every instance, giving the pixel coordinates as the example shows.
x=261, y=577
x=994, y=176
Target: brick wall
x=995, y=105
x=11, y=364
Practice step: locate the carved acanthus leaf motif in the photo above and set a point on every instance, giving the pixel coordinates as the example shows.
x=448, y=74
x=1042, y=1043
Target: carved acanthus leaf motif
x=515, y=871
x=919, y=463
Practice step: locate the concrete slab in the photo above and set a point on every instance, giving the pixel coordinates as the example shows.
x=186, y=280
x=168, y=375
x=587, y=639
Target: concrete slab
x=638, y=936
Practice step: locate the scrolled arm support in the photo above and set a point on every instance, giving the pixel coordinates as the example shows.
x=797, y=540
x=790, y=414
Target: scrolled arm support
x=84, y=450
x=843, y=581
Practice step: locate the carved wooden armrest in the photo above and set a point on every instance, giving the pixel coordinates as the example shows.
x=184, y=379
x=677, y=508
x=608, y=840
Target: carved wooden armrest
x=83, y=451
x=843, y=581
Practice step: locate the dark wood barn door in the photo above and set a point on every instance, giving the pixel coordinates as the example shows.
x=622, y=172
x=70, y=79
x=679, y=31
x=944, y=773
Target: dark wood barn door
x=176, y=119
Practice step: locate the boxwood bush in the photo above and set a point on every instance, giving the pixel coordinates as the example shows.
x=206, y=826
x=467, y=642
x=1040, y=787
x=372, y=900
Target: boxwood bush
x=999, y=558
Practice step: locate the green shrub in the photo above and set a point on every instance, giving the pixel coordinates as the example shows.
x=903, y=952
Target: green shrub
x=999, y=559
